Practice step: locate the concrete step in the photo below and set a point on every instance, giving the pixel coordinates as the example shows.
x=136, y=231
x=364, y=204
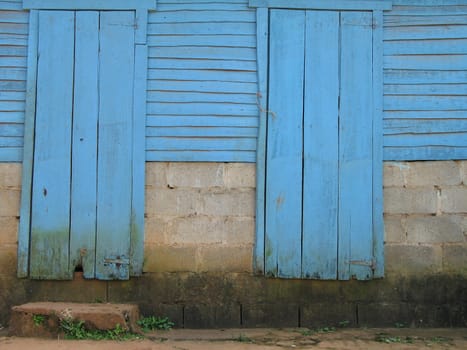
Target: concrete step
x=42, y=319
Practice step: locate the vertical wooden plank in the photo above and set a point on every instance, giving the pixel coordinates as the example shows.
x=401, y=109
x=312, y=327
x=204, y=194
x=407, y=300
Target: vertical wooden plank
x=28, y=147
x=321, y=139
x=141, y=26
x=139, y=158
x=378, y=223
x=50, y=218
x=284, y=144
x=262, y=35
x=115, y=144
x=84, y=149
x=356, y=147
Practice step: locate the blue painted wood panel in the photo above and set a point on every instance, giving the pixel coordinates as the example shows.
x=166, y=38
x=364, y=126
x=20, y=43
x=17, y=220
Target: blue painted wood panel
x=50, y=224
x=13, y=52
x=321, y=145
x=84, y=151
x=355, y=257
x=202, y=82
x=425, y=81
x=115, y=149
x=285, y=144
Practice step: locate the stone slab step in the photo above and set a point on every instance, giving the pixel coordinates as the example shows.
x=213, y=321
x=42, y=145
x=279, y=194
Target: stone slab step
x=42, y=319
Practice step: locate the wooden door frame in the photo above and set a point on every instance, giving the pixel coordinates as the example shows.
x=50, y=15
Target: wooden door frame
x=139, y=126
x=262, y=22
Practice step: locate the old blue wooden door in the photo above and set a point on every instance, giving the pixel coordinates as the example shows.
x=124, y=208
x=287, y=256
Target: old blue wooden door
x=319, y=200
x=81, y=211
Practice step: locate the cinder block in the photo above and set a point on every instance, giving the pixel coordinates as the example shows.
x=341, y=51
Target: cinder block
x=8, y=260
x=9, y=202
x=433, y=173
x=202, y=229
x=270, y=315
x=8, y=230
x=413, y=260
x=160, y=258
x=434, y=229
x=218, y=258
x=394, y=229
x=197, y=175
x=455, y=259
x=463, y=169
x=172, y=202
x=410, y=200
x=229, y=203
x=212, y=316
x=10, y=175
x=393, y=174
x=238, y=175
x=454, y=199
x=156, y=229
x=156, y=174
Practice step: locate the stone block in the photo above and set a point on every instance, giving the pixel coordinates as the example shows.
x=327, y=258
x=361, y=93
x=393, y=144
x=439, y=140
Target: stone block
x=434, y=229
x=455, y=259
x=393, y=174
x=10, y=175
x=218, y=258
x=156, y=229
x=240, y=175
x=161, y=258
x=172, y=202
x=463, y=169
x=9, y=202
x=413, y=259
x=8, y=261
x=454, y=199
x=95, y=316
x=195, y=175
x=212, y=316
x=229, y=203
x=394, y=231
x=328, y=315
x=421, y=200
x=270, y=315
x=202, y=229
x=8, y=230
x=156, y=174
x=433, y=173
x=385, y=314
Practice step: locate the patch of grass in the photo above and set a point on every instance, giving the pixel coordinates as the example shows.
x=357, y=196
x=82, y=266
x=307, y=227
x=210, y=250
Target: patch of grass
x=388, y=339
x=243, y=339
x=151, y=323
x=38, y=320
x=400, y=325
x=75, y=329
x=325, y=329
x=438, y=340
x=344, y=323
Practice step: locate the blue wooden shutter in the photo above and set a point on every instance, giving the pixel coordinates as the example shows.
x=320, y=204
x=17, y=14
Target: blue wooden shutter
x=321, y=209
x=83, y=210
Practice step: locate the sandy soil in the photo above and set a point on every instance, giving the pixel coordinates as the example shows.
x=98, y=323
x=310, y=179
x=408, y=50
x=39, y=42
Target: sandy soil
x=257, y=339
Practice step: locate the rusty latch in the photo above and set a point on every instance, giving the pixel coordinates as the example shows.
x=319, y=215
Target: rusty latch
x=119, y=261
x=370, y=263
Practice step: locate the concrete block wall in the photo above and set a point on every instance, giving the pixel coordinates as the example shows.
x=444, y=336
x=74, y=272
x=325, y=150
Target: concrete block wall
x=199, y=217
x=425, y=216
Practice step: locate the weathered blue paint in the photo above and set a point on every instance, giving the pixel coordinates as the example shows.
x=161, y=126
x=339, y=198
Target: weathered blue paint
x=324, y=4
x=262, y=35
x=321, y=145
x=115, y=149
x=28, y=154
x=355, y=252
x=84, y=157
x=284, y=144
x=50, y=214
x=89, y=4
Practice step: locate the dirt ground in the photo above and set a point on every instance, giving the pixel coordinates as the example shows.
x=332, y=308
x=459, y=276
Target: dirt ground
x=258, y=339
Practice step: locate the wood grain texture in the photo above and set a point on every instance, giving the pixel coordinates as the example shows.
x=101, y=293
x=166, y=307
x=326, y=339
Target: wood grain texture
x=115, y=148
x=88, y=4
x=285, y=144
x=50, y=218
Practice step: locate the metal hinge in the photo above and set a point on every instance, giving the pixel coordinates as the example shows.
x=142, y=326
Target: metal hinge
x=370, y=263
x=117, y=261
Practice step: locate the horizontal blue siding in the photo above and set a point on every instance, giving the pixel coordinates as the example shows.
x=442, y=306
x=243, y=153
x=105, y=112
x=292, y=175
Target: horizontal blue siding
x=202, y=82
x=13, y=55
x=425, y=80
